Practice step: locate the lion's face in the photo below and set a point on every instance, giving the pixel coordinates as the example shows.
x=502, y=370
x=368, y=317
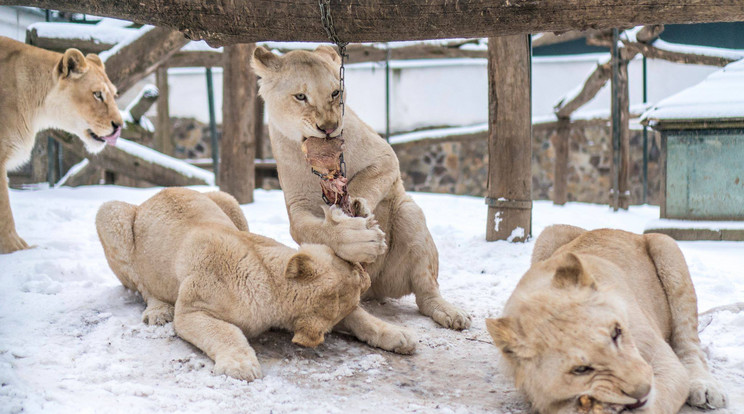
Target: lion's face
x=572, y=340
x=301, y=91
x=84, y=100
x=328, y=289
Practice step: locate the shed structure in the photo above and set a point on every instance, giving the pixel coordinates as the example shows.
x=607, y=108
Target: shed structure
x=702, y=158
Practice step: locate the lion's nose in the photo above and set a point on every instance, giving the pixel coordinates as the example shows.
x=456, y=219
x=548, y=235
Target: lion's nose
x=640, y=392
x=327, y=128
x=115, y=125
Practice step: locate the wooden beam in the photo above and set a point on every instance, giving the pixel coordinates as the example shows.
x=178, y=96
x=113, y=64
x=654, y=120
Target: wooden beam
x=237, y=174
x=566, y=106
x=560, y=141
x=117, y=160
x=624, y=167
x=245, y=21
x=509, y=139
x=163, y=140
x=546, y=39
x=652, y=52
x=127, y=64
x=258, y=128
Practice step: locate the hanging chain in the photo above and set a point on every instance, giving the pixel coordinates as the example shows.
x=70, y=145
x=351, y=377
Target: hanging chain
x=327, y=20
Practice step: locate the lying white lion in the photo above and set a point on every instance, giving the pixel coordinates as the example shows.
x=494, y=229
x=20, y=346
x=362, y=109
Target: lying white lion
x=194, y=251
x=605, y=321
x=301, y=91
x=40, y=89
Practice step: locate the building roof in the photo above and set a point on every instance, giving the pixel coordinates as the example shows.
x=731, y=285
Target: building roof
x=717, y=101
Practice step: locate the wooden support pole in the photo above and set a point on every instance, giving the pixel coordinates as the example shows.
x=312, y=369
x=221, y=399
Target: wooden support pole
x=624, y=169
x=163, y=140
x=238, y=146
x=509, y=139
x=244, y=21
x=560, y=176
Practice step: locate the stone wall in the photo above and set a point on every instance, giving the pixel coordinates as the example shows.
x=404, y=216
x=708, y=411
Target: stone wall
x=459, y=165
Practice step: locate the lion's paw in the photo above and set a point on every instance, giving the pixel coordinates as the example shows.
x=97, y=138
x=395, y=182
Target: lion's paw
x=398, y=340
x=359, y=239
x=158, y=315
x=11, y=243
x=452, y=317
x=706, y=393
x=242, y=367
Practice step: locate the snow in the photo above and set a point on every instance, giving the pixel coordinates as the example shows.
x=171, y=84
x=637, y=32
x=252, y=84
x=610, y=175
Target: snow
x=72, y=171
x=719, y=96
x=694, y=224
x=733, y=54
x=107, y=34
x=71, y=338
x=155, y=157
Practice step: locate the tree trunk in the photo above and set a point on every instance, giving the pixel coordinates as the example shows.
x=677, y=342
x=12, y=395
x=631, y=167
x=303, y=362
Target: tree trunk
x=245, y=21
x=238, y=146
x=127, y=64
x=560, y=175
x=509, y=139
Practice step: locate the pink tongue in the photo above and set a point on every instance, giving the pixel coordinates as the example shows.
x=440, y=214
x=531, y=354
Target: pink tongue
x=111, y=139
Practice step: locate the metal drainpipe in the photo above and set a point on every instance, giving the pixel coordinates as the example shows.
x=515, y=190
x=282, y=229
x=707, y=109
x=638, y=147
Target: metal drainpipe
x=645, y=135
x=213, y=125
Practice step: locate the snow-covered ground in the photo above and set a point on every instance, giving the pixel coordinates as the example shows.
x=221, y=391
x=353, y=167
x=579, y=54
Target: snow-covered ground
x=71, y=339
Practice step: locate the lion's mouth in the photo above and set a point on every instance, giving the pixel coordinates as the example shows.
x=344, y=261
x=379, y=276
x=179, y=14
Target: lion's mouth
x=108, y=139
x=639, y=404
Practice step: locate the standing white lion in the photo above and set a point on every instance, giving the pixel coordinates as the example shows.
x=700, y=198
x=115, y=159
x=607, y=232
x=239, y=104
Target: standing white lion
x=301, y=91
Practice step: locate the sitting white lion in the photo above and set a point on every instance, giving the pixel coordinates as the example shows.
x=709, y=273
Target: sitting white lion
x=605, y=321
x=301, y=91
x=193, y=260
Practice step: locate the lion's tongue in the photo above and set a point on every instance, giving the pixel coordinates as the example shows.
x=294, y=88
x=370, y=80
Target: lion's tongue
x=111, y=139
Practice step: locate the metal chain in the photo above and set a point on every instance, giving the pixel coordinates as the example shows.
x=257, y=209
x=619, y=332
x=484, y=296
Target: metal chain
x=327, y=20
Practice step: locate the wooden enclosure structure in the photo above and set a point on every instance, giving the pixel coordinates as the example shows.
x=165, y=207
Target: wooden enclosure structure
x=248, y=21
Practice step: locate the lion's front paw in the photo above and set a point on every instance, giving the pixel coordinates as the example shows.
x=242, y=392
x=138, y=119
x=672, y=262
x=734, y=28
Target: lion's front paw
x=242, y=367
x=446, y=314
x=12, y=242
x=706, y=393
x=398, y=340
x=158, y=315
x=358, y=239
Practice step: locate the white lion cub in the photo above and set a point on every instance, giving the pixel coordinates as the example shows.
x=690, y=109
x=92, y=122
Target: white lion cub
x=193, y=260
x=605, y=321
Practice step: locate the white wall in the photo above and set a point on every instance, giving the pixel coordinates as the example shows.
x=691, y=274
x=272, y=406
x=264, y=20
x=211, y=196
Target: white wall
x=452, y=92
x=14, y=20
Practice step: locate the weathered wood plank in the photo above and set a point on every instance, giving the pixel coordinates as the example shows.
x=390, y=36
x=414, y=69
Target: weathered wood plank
x=245, y=21
x=128, y=64
x=509, y=139
x=163, y=140
x=560, y=141
x=237, y=174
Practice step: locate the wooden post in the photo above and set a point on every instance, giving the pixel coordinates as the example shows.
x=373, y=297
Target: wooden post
x=509, y=139
x=560, y=170
x=624, y=170
x=238, y=146
x=163, y=139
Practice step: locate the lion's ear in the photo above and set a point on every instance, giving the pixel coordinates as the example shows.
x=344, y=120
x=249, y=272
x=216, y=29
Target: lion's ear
x=72, y=64
x=571, y=273
x=300, y=267
x=504, y=335
x=329, y=53
x=264, y=62
x=95, y=59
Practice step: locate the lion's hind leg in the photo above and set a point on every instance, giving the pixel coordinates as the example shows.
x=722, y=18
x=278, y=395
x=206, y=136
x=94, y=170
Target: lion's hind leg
x=114, y=223
x=671, y=268
x=230, y=206
x=552, y=238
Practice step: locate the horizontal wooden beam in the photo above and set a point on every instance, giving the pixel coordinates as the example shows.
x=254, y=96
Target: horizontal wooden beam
x=245, y=21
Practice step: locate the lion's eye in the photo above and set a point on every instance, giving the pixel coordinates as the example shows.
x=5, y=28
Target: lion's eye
x=98, y=95
x=335, y=93
x=301, y=97
x=616, y=333
x=582, y=370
